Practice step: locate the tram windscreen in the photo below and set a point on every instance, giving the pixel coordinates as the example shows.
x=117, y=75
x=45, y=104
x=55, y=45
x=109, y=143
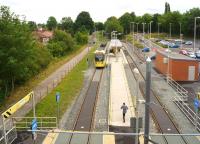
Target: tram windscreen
x=99, y=57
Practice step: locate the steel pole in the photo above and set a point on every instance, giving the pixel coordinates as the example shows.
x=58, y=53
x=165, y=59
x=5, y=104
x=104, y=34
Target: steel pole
x=147, y=96
x=195, y=20
x=158, y=29
x=170, y=34
x=33, y=102
x=4, y=130
x=136, y=111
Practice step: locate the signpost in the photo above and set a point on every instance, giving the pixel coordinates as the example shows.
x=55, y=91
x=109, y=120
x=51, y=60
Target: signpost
x=196, y=106
x=34, y=128
x=57, y=101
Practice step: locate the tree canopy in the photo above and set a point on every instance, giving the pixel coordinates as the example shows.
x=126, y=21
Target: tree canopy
x=51, y=23
x=84, y=22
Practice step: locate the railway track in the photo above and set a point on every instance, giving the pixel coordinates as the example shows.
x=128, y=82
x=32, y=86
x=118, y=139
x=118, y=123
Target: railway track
x=85, y=117
x=163, y=120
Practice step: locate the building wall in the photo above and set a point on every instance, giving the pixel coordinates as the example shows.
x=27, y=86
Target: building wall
x=178, y=69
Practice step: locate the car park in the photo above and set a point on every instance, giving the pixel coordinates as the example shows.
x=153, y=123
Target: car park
x=191, y=54
x=173, y=45
x=197, y=53
x=184, y=52
x=146, y=49
x=188, y=43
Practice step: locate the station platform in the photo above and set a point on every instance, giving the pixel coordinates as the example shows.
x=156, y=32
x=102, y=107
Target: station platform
x=119, y=92
x=64, y=138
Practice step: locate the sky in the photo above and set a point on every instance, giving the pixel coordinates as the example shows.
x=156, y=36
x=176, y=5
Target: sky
x=100, y=10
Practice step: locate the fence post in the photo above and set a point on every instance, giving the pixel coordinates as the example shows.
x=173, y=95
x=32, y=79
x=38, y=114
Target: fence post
x=4, y=130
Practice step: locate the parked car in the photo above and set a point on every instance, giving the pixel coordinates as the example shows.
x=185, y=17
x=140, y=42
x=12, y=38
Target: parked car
x=197, y=53
x=153, y=57
x=191, y=54
x=188, y=43
x=173, y=45
x=184, y=52
x=146, y=49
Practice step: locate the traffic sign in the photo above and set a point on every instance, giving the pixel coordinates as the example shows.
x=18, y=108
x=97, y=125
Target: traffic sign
x=34, y=125
x=57, y=97
x=196, y=103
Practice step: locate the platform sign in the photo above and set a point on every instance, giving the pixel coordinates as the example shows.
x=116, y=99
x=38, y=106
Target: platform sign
x=34, y=125
x=196, y=104
x=57, y=97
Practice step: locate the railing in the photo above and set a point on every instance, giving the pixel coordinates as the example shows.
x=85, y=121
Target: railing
x=9, y=132
x=189, y=113
x=180, y=91
x=42, y=122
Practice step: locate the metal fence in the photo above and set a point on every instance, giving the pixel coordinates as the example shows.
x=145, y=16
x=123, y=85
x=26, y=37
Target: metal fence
x=43, y=123
x=8, y=133
x=181, y=93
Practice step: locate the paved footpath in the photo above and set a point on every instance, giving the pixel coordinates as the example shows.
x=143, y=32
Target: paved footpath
x=119, y=92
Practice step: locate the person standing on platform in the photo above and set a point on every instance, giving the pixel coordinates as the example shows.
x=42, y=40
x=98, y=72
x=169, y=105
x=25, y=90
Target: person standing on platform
x=124, y=110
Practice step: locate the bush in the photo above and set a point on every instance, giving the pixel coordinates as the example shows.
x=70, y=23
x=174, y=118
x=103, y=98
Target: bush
x=81, y=38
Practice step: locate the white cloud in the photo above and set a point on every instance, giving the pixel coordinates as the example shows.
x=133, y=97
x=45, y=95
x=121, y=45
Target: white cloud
x=100, y=10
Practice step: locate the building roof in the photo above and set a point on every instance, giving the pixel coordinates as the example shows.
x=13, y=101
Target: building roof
x=44, y=33
x=176, y=56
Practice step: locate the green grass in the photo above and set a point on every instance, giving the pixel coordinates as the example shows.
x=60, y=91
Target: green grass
x=21, y=91
x=136, y=43
x=69, y=88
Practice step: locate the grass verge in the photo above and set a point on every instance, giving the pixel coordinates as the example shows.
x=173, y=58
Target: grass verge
x=68, y=88
x=21, y=91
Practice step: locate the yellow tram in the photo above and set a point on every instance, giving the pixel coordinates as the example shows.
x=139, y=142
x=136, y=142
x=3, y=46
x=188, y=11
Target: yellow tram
x=100, y=58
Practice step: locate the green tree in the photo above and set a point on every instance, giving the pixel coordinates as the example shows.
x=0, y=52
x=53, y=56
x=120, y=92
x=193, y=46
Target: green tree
x=112, y=24
x=66, y=24
x=32, y=25
x=125, y=21
x=188, y=21
x=18, y=51
x=61, y=43
x=84, y=22
x=51, y=23
x=167, y=8
x=99, y=26
x=81, y=38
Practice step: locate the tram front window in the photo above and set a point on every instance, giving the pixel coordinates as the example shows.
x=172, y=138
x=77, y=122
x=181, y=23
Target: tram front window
x=99, y=57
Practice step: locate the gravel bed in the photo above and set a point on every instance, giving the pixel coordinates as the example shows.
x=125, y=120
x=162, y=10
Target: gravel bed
x=70, y=116
x=102, y=105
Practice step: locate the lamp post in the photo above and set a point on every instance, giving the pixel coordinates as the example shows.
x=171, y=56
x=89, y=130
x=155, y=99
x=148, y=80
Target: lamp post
x=137, y=27
x=170, y=25
x=143, y=29
x=147, y=97
x=195, y=27
x=136, y=71
x=133, y=33
x=150, y=29
x=180, y=34
x=158, y=28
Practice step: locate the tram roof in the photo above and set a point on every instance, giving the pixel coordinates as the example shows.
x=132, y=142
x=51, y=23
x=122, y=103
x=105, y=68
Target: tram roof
x=115, y=43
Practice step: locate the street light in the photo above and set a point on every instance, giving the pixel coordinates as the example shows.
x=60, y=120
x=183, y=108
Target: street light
x=170, y=25
x=112, y=33
x=147, y=98
x=150, y=29
x=133, y=33
x=136, y=72
x=180, y=35
x=158, y=28
x=143, y=29
x=195, y=27
x=137, y=27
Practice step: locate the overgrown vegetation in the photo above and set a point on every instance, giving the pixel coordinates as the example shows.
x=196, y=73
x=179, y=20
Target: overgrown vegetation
x=22, y=56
